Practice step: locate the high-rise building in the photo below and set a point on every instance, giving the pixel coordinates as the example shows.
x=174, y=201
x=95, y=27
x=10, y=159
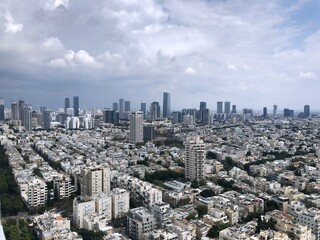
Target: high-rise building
x=220, y=107
x=1, y=109
x=136, y=127
x=195, y=158
x=176, y=117
x=95, y=180
x=66, y=104
x=120, y=202
x=143, y=109
x=148, y=133
x=275, y=109
x=203, y=105
x=155, y=110
x=205, y=116
x=121, y=108
x=288, y=112
x=166, y=105
x=265, y=112
x=227, y=108
x=115, y=106
x=21, y=106
x=234, y=109
x=76, y=106
x=42, y=109
x=46, y=119
x=127, y=107
x=27, y=118
x=306, y=111
x=70, y=112
x=14, y=111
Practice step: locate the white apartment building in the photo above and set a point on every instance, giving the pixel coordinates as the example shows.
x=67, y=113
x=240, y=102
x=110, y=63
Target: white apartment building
x=136, y=127
x=104, y=205
x=120, y=202
x=82, y=206
x=310, y=218
x=195, y=158
x=139, y=190
x=63, y=186
x=34, y=192
x=139, y=222
x=95, y=180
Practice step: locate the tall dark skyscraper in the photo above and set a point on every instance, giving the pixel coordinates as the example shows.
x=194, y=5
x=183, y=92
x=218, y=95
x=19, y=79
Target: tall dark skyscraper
x=27, y=118
x=66, y=104
x=14, y=111
x=306, y=111
x=121, y=108
x=1, y=109
x=166, y=105
x=227, y=108
x=155, y=110
x=46, y=119
x=234, y=109
x=203, y=105
x=205, y=116
x=265, y=112
x=127, y=107
x=143, y=109
x=21, y=106
x=220, y=107
x=76, y=106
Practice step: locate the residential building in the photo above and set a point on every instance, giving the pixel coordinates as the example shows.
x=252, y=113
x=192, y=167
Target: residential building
x=136, y=127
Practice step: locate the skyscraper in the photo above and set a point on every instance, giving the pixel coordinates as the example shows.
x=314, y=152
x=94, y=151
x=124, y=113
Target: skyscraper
x=203, y=105
x=155, y=110
x=166, y=105
x=1, y=109
x=136, y=127
x=76, y=106
x=14, y=111
x=121, y=108
x=205, y=116
x=234, y=109
x=21, y=106
x=143, y=109
x=195, y=158
x=115, y=106
x=27, y=118
x=227, y=108
x=127, y=107
x=265, y=112
x=220, y=107
x=306, y=111
x=275, y=109
x=66, y=104
x=46, y=119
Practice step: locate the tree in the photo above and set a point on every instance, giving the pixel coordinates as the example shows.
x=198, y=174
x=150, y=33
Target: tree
x=202, y=210
x=191, y=216
x=215, y=229
x=207, y=193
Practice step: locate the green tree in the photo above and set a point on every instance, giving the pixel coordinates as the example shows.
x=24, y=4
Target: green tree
x=207, y=193
x=215, y=229
x=202, y=210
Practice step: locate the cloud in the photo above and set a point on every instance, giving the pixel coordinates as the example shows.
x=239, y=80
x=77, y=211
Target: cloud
x=190, y=71
x=11, y=25
x=307, y=75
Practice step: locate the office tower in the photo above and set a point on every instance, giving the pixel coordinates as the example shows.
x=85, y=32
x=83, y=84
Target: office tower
x=95, y=180
x=220, y=107
x=136, y=127
x=227, y=108
x=275, y=109
x=195, y=158
x=46, y=119
x=155, y=110
x=148, y=133
x=166, y=105
x=115, y=106
x=27, y=118
x=265, y=112
x=14, y=111
x=139, y=223
x=288, y=112
x=127, y=106
x=143, y=109
x=176, y=117
x=205, y=116
x=21, y=106
x=107, y=116
x=234, y=109
x=76, y=106
x=203, y=105
x=42, y=109
x=121, y=108
x=1, y=109
x=306, y=111
x=66, y=104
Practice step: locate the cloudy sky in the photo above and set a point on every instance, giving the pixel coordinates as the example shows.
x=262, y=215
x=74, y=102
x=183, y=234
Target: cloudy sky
x=253, y=53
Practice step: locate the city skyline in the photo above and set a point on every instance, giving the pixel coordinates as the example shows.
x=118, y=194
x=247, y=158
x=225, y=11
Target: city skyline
x=248, y=52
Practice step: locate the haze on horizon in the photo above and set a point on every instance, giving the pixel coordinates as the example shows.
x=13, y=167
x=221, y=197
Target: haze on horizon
x=252, y=53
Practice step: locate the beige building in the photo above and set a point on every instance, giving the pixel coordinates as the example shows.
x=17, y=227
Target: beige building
x=95, y=180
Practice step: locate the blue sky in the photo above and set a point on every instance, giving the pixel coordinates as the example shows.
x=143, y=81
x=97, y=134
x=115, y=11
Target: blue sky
x=252, y=53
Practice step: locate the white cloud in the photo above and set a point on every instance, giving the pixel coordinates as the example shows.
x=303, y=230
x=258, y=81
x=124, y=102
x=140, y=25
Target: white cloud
x=53, y=43
x=190, y=71
x=11, y=25
x=307, y=75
